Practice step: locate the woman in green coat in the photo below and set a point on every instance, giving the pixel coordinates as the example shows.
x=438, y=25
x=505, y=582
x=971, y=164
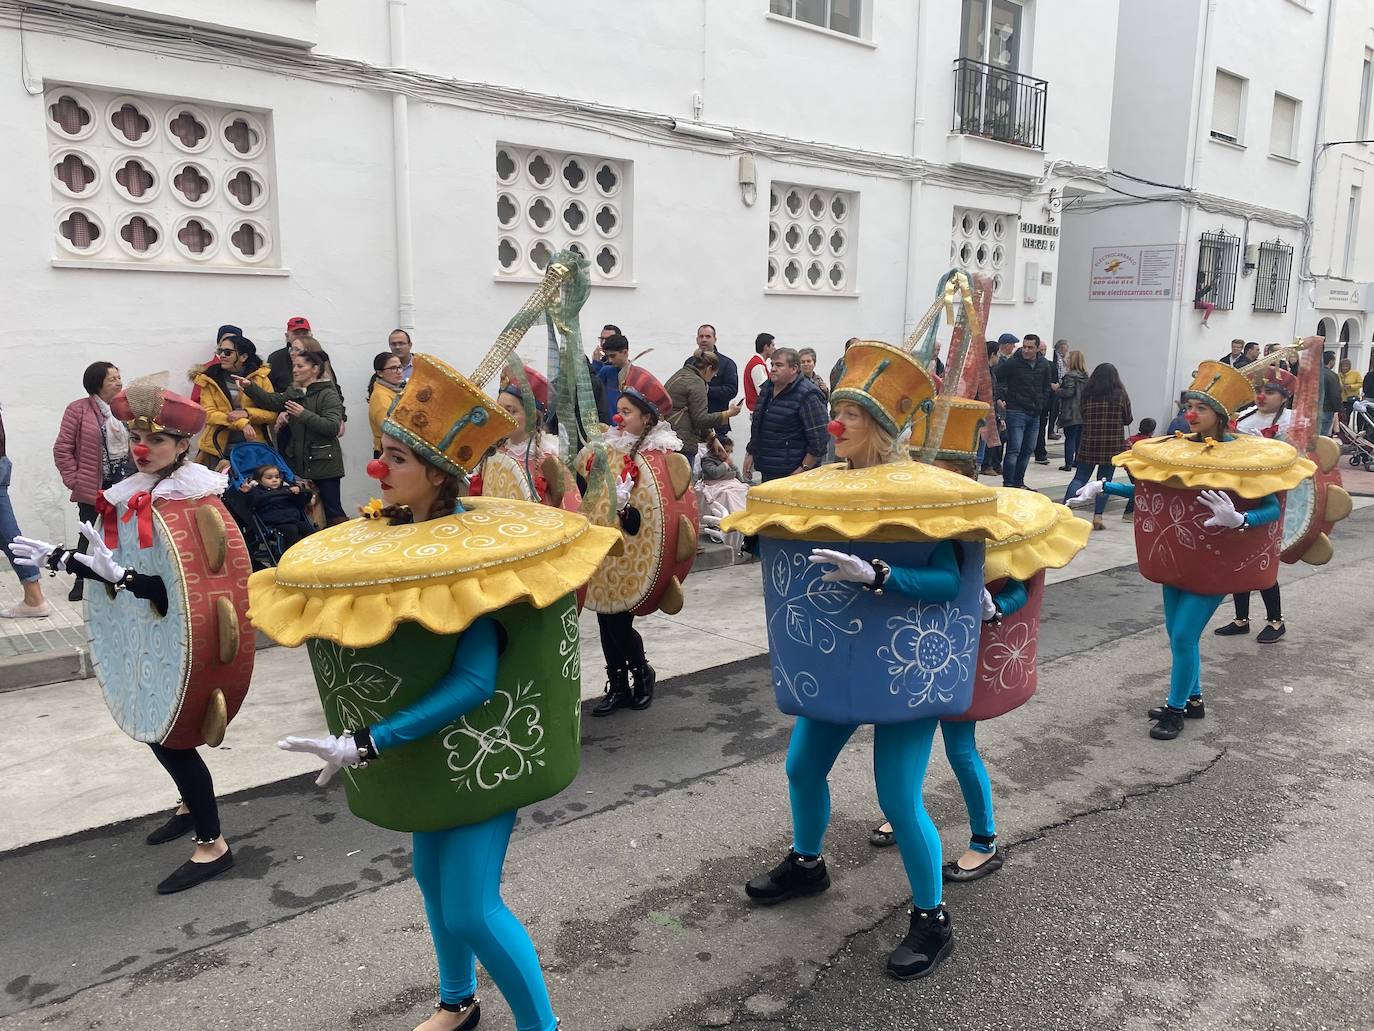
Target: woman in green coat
x=691, y=420
x=314, y=410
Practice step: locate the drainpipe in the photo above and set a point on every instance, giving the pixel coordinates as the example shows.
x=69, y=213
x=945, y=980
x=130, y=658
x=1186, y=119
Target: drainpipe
x=400, y=142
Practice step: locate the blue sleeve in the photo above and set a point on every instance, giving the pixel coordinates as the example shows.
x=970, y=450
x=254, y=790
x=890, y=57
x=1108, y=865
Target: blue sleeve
x=1011, y=597
x=1267, y=511
x=1120, y=490
x=937, y=580
x=470, y=681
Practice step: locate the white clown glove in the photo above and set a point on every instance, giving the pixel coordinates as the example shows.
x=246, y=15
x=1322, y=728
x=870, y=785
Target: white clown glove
x=848, y=568
x=30, y=551
x=623, y=486
x=1087, y=494
x=1224, y=512
x=989, y=606
x=336, y=752
x=100, y=560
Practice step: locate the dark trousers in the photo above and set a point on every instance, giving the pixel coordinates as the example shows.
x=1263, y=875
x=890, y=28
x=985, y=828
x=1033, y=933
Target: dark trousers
x=1073, y=436
x=620, y=641
x=1273, y=608
x=86, y=513
x=1020, y=443
x=291, y=533
x=192, y=778
x=329, y=498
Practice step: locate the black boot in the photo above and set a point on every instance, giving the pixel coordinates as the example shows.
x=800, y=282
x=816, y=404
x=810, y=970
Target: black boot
x=787, y=880
x=1169, y=725
x=78, y=589
x=1194, y=711
x=642, y=694
x=617, y=691
x=925, y=946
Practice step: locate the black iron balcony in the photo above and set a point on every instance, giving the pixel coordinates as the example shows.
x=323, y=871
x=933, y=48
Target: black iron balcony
x=998, y=104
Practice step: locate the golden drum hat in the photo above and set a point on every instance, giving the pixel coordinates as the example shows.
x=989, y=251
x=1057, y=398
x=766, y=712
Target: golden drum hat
x=886, y=382
x=964, y=420
x=444, y=418
x=1225, y=389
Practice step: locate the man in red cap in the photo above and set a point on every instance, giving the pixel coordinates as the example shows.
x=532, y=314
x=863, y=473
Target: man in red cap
x=279, y=361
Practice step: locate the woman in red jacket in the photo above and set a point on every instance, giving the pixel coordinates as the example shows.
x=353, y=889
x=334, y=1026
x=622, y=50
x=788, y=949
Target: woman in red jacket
x=92, y=447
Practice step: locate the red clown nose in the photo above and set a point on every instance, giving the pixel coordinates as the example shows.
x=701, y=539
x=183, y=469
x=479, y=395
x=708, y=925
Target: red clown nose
x=835, y=428
x=378, y=469
x=141, y=450
x=618, y=419
x=1191, y=417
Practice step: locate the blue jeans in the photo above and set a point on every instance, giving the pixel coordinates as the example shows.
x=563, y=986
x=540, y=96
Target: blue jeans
x=1020, y=445
x=9, y=529
x=1326, y=420
x=1082, y=474
x=1073, y=436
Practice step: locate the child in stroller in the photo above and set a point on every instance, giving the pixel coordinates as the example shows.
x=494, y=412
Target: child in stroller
x=278, y=505
x=268, y=500
x=1358, y=435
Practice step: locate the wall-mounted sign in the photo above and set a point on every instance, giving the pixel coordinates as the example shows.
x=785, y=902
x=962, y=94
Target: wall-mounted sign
x=1037, y=237
x=1146, y=273
x=1341, y=296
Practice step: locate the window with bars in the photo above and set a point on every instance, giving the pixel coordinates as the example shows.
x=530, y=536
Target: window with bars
x=1217, y=260
x=148, y=182
x=547, y=201
x=1272, y=272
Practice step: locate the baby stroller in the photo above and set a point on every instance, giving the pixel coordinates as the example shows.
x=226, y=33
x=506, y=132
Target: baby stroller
x=1359, y=435
x=265, y=545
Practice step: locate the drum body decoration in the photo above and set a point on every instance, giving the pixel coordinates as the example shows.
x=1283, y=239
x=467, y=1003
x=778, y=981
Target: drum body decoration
x=383, y=607
x=1313, y=508
x=647, y=574
x=504, y=477
x=1172, y=544
x=1049, y=537
x=843, y=654
x=179, y=679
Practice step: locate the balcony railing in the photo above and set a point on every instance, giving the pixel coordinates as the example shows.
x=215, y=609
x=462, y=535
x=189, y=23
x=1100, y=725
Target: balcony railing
x=999, y=104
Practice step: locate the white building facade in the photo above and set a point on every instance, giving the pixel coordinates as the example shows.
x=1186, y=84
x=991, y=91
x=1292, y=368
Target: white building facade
x=1221, y=192
x=806, y=168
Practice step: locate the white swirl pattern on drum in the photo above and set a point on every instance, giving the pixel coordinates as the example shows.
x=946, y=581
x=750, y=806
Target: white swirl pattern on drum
x=507, y=743
x=141, y=659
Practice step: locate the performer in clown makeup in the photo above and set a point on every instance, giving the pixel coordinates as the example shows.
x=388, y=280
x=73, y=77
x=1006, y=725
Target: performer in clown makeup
x=1208, y=522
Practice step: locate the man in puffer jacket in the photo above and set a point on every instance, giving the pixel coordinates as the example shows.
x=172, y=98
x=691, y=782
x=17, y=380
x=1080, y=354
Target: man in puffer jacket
x=787, y=432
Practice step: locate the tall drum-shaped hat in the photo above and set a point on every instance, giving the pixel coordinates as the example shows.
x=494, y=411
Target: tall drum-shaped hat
x=887, y=383
x=1224, y=389
x=444, y=418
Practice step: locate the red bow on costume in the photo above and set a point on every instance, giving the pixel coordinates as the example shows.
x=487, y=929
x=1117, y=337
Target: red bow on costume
x=1269, y=431
x=108, y=514
x=140, y=505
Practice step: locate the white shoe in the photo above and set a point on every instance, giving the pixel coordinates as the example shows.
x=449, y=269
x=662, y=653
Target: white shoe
x=22, y=611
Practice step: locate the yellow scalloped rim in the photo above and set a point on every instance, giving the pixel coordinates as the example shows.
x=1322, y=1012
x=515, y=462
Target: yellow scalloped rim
x=1253, y=467
x=896, y=501
x=359, y=579
x=1050, y=537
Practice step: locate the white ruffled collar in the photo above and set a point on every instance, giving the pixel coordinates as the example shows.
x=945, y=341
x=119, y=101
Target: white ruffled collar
x=190, y=482
x=660, y=438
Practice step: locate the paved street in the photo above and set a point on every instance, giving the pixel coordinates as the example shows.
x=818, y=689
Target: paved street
x=1222, y=880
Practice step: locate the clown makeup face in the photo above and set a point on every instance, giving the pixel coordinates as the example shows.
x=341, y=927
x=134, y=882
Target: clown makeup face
x=1203, y=418
x=1270, y=401
x=632, y=418
x=852, y=444
x=156, y=452
x=408, y=480
x=515, y=408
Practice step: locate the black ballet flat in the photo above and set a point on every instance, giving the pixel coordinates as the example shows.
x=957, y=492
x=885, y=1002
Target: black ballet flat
x=1233, y=629
x=1270, y=634
x=880, y=838
x=189, y=874
x=177, y=825
x=954, y=872
x=473, y=1018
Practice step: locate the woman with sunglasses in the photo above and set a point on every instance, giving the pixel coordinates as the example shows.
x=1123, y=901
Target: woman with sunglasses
x=230, y=415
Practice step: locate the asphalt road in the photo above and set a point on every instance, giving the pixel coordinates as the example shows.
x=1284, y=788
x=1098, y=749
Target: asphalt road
x=1222, y=880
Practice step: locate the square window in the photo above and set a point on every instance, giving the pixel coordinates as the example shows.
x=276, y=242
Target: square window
x=150, y=182
x=811, y=240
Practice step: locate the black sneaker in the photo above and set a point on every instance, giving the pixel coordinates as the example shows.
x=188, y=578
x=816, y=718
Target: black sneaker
x=1270, y=634
x=1168, y=726
x=787, y=880
x=1233, y=629
x=1194, y=710
x=925, y=946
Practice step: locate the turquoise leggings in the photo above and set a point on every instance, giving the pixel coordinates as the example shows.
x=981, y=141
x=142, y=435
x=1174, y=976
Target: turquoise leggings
x=459, y=873
x=1185, y=617
x=901, y=753
x=962, y=753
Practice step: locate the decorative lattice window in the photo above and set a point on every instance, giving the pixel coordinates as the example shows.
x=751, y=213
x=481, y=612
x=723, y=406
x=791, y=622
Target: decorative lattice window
x=1218, y=255
x=811, y=241
x=1272, y=272
x=985, y=241
x=547, y=201
x=149, y=182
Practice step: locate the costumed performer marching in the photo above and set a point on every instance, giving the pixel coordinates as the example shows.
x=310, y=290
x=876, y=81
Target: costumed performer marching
x=1208, y=522
x=170, y=640
x=873, y=576
x=526, y=465
x=655, y=509
x=443, y=635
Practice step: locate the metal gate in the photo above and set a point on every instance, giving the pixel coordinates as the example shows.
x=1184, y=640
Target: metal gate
x=1217, y=260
